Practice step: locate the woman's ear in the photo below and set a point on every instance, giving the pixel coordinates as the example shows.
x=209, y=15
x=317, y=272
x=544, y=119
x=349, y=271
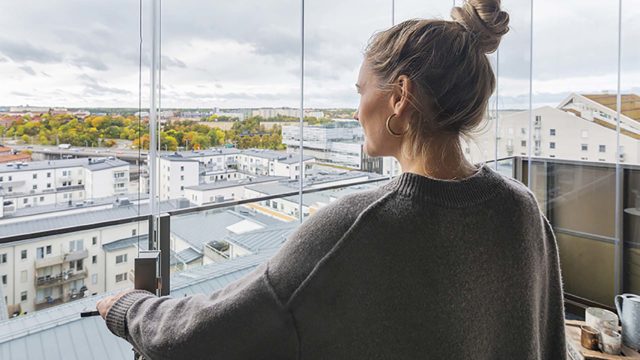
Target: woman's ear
x=400, y=96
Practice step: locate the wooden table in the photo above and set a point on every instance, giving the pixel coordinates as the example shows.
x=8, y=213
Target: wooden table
x=575, y=350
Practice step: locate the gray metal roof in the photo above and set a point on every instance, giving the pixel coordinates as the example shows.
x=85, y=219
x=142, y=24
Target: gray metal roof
x=259, y=240
x=63, y=220
x=141, y=241
x=60, y=333
x=203, y=227
x=295, y=158
x=232, y=183
x=186, y=155
x=94, y=164
x=186, y=256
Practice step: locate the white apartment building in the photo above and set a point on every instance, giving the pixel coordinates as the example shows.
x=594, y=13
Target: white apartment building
x=578, y=129
x=338, y=142
x=58, y=182
x=183, y=170
x=49, y=270
x=227, y=190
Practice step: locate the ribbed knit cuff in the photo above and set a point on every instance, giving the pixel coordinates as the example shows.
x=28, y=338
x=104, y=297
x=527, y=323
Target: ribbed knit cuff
x=117, y=315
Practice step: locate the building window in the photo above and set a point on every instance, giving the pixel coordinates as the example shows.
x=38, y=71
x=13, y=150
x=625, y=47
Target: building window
x=94, y=240
x=94, y=259
x=0, y=178
x=181, y=188
x=523, y=143
x=181, y=177
x=25, y=200
x=23, y=296
x=552, y=145
x=3, y=258
x=23, y=254
x=133, y=232
x=34, y=187
x=602, y=148
x=552, y=132
x=41, y=198
x=121, y=277
x=4, y=279
x=76, y=245
x=40, y=252
x=181, y=168
x=584, y=147
x=523, y=131
x=48, y=174
x=23, y=276
x=121, y=258
x=10, y=189
x=48, y=185
x=94, y=279
x=35, y=176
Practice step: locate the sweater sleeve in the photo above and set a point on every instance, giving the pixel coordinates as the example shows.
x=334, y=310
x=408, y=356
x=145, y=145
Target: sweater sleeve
x=245, y=320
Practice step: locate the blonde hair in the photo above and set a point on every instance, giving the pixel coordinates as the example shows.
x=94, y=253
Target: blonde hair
x=447, y=64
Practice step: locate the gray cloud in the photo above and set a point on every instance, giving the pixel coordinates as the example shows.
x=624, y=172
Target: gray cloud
x=90, y=62
x=28, y=69
x=22, y=94
x=93, y=87
x=102, y=39
x=23, y=51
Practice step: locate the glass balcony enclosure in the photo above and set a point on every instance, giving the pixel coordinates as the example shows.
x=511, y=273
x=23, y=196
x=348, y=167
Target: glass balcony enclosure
x=252, y=106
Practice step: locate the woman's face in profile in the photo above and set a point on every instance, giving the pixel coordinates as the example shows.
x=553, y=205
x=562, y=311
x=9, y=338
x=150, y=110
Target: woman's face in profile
x=375, y=106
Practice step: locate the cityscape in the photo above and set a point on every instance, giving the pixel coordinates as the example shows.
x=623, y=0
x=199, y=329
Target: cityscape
x=246, y=152
x=209, y=160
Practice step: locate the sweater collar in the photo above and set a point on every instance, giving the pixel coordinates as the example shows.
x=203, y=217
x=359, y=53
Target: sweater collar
x=480, y=186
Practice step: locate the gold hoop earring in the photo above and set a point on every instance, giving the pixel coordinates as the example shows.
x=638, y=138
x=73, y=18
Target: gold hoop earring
x=389, y=128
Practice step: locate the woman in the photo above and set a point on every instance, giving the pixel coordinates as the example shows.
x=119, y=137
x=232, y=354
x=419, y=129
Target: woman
x=446, y=261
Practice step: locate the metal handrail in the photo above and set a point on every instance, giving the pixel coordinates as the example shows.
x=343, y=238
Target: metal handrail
x=143, y=217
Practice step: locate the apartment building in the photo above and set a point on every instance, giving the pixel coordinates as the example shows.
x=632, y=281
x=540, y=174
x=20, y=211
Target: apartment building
x=50, y=270
x=182, y=170
x=338, y=142
x=582, y=127
x=61, y=182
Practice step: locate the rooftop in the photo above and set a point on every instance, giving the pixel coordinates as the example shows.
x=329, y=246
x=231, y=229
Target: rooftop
x=63, y=220
x=232, y=183
x=630, y=103
x=60, y=333
x=87, y=163
x=203, y=227
x=263, y=239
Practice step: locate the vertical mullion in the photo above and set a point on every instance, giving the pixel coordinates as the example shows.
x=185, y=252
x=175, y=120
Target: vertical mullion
x=300, y=215
x=619, y=250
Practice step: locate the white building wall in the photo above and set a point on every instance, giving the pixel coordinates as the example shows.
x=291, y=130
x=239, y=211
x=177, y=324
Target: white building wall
x=15, y=265
x=571, y=132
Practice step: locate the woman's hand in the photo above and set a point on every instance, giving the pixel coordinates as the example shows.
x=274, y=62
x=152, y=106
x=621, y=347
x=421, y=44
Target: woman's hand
x=105, y=304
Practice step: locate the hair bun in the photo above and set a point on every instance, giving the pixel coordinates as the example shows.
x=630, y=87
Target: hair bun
x=485, y=20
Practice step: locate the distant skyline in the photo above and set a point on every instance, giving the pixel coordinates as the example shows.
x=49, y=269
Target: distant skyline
x=247, y=53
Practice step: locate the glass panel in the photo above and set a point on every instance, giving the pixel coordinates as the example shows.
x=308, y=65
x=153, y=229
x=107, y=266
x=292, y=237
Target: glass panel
x=227, y=90
x=70, y=92
x=629, y=141
x=574, y=81
x=213, y=239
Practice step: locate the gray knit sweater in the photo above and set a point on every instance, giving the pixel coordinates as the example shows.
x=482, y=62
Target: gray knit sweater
x=418, y=268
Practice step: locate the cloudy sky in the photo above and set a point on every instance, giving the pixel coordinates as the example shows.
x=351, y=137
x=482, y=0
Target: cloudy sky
x=247, y=53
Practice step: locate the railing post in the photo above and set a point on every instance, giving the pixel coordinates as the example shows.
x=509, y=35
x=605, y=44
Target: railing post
x=165, y=253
